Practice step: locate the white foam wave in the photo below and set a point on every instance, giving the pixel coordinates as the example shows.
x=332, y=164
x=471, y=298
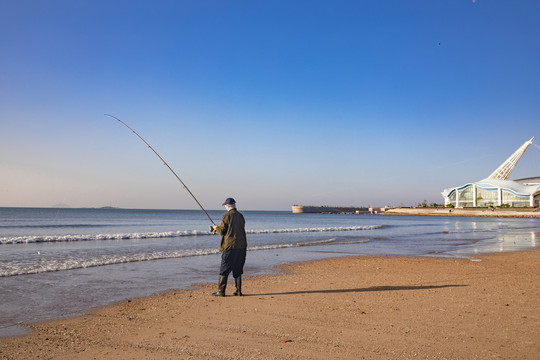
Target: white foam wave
x=320, y=229
x=50, y=265
x=126, y=236
x=169, y=234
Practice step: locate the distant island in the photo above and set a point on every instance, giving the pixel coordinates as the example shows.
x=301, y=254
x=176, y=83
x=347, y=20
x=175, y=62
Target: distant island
x=65, y=206
x=61, y=206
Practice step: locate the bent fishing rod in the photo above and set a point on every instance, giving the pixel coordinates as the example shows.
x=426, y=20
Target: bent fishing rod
x=167, y=165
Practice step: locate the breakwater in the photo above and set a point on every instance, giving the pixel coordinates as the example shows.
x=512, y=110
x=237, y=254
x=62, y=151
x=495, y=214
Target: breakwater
x=301, y=209
x=473, y=212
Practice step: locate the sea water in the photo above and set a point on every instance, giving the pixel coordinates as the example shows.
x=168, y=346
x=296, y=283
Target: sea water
x=63, y=262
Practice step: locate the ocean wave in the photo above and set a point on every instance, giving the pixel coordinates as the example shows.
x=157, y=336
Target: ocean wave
x=54, y=226
x=169, y=234
x=52, y=265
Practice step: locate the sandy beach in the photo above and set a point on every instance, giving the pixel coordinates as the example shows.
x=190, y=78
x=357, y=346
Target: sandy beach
x=344, y=308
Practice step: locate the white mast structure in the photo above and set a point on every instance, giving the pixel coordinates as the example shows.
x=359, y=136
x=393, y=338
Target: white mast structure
x=506, y=168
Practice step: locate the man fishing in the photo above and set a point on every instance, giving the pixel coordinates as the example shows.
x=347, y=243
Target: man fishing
x=233, y=247
x=233, y=234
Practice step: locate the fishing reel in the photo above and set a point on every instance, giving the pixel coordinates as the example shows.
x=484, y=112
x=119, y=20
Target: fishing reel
x=211, y=228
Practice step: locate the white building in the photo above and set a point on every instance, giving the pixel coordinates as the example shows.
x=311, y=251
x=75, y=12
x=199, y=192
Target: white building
x=497, y=190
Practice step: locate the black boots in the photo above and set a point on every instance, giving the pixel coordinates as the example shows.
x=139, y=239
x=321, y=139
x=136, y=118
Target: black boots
x=221, y=286
x=238, y=283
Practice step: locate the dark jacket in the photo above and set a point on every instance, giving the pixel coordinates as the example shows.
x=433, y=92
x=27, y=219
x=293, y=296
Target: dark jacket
x=232, y=231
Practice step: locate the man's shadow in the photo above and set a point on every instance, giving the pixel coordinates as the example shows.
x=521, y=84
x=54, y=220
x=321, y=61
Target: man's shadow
x=359, y=290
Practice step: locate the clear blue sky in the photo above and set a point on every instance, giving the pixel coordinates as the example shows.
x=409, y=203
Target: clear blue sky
x=272, y=102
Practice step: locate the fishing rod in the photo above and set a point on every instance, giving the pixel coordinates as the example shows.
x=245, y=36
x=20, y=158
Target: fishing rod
x=167, y=165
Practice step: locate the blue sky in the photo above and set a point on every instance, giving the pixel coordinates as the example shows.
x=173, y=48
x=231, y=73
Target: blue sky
x=274, y=103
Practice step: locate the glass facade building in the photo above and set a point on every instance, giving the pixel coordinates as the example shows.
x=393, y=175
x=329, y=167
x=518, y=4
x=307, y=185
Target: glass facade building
x=497, y=190
x=493, y=192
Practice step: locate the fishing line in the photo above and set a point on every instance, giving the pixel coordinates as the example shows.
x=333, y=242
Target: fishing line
x=167, y=165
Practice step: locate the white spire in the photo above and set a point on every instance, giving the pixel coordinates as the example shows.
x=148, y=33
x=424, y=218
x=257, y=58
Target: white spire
x=506, y=168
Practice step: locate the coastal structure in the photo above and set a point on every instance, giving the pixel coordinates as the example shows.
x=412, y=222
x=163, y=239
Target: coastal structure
x=301, y=209
x=496, y=189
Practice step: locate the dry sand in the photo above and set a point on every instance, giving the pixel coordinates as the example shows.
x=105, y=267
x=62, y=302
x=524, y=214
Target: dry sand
x=345, y=308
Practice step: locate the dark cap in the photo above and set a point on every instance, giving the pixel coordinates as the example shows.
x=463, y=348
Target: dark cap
x=229, y=201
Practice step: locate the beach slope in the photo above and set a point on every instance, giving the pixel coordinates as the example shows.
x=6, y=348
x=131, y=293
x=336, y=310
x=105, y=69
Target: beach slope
x=345, y=308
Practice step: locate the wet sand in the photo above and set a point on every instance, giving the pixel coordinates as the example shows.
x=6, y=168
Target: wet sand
x=344, y=308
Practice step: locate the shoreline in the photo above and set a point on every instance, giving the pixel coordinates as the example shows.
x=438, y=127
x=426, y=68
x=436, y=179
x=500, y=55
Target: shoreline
x=377, y=307
x=476, y=212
